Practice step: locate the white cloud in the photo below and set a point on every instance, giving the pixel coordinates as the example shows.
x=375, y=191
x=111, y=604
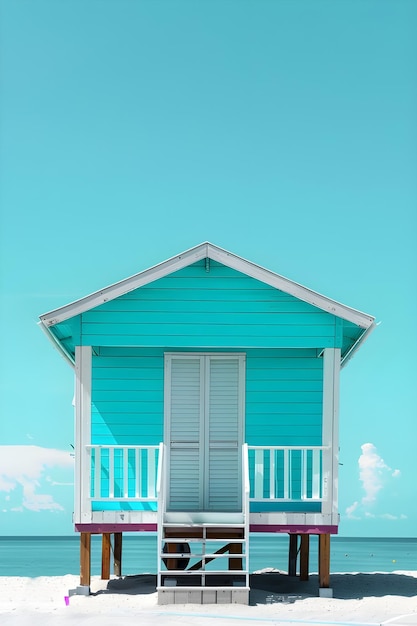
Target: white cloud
x=373, y=472
x=22, y=470
x=375, y=475
x=351, y=510
x=371, y=469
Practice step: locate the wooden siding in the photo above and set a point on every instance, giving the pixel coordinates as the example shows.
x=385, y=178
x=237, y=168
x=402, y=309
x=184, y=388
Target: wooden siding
x=221, y=308
x=283, y=403
x=128, y=397
x=283, y=397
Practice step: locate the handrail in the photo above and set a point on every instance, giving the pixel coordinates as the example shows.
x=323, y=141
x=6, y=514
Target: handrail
x=159, y=475
x=160, y=494
x=245, y=458
x=120, y=447
x=288, y=447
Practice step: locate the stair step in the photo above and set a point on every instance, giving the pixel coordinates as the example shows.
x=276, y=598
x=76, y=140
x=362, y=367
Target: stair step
x=203, y=525
x=208, y=555
x=202, y=518
x=203, y=534
x=198, y=573
x=203, y=539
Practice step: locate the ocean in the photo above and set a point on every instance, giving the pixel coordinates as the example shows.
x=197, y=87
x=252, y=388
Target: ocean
x=57, y=556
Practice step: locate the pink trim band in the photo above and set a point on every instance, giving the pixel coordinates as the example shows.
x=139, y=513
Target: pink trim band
x=254, y=528
x=115, y=528
x=293, y=529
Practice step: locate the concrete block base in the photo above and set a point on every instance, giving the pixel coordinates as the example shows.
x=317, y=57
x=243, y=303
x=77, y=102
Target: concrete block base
x=176, y=595
x=81, y=590
x=325, y=592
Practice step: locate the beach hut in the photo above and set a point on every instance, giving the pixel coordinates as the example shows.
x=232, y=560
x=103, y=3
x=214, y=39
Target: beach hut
x=206, y=408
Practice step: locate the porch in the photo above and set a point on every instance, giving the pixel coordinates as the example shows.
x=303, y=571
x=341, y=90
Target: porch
x=285, y=489
x=127, y=486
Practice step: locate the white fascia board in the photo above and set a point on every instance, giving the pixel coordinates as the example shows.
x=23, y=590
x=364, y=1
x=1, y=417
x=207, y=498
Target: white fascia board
x=124, y=286
x=56, y=344
x=349, y=354
x=288, y=286
x=202, y=251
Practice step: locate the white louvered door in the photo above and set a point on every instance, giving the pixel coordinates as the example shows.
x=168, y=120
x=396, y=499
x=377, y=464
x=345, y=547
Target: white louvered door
x=204, y=425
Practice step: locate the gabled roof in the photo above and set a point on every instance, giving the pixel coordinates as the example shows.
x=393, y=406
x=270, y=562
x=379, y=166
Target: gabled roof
x=210, y=251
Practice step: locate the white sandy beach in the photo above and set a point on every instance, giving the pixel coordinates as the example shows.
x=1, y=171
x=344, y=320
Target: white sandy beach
x=375, y=598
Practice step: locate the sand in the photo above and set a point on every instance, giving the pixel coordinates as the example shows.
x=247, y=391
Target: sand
x=377, y=598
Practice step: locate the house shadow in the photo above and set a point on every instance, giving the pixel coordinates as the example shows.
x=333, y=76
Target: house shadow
x=140, y=584
x=271, y=587
x=276, y=587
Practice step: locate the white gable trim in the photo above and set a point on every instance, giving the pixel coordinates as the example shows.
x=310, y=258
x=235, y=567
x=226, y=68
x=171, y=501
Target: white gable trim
x=207, y=250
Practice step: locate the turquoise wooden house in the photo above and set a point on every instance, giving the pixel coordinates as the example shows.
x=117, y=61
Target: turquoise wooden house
x=206, y=407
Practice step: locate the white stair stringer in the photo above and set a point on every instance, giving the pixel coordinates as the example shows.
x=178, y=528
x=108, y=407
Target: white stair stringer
x=203, y=556
x=203, y=563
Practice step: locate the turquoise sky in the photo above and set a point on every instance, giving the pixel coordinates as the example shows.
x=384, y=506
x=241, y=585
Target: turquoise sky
x=283, y=131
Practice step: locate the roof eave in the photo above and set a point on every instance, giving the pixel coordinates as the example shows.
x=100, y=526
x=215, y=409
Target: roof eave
x=202, y=251
x=56, y=344
x=124, y=286
x=355, y=347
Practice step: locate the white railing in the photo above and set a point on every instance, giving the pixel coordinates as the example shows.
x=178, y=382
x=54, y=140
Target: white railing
x=160, y=493
x=286, y=473
x=123, y=473
x=245, y=504
x=269, y=473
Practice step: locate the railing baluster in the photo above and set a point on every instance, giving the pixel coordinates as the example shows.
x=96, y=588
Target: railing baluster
x=138, y=490
x=259, y=473
x=151, y=473
x=272, y=474
x=126, y=472
x=303, y=474
x=286, y=474
x=97, y=473
x=111, y=472
x=316, y=474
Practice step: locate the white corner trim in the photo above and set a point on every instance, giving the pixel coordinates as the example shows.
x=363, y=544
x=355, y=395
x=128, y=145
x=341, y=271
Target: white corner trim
x=330, y=437
x=83, y=376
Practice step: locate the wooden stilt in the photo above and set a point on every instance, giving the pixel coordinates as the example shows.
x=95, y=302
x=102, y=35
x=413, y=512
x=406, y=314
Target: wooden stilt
x=304, y=556
x=117, y=553
x=85, y=559
x=324, y=561
x=292, y=555
x=234, y=562
x=105, y=556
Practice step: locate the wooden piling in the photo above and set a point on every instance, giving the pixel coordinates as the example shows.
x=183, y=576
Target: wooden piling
x=85, y=559
x=292, y=555
x=117, y=554
x=324, y=561
x=105, y=556
x=304, y=556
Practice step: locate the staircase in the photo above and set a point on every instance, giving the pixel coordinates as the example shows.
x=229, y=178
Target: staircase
x=203, y=557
